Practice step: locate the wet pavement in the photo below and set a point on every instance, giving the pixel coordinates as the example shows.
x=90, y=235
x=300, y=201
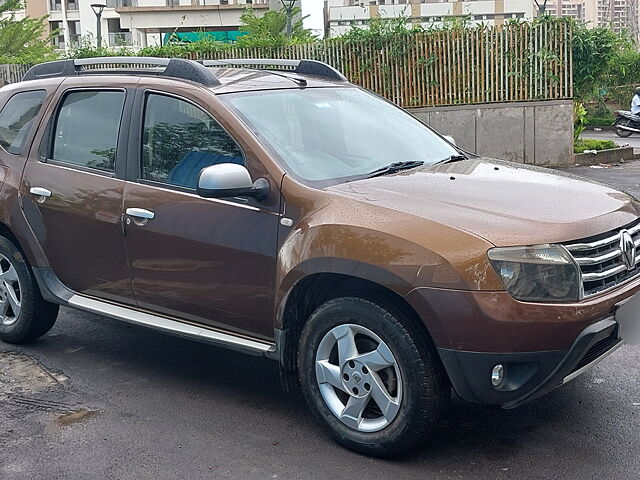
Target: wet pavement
x=96, y=399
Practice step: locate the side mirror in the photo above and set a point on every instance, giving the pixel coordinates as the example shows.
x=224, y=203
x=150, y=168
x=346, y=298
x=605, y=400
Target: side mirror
x=230, y=180
x=450, y=139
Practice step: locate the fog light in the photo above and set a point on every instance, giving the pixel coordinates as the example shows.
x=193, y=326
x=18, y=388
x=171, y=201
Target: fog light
x=497, y=375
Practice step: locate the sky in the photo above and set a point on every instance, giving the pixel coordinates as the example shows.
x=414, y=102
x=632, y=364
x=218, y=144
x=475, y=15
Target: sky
x=314, y=8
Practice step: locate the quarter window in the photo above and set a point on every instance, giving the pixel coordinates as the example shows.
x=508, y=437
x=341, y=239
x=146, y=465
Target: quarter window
x=17, y=117
x=180, y=139
x=86, y=130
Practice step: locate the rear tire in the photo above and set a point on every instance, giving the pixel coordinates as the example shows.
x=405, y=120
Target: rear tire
x=24, y=314
x=371, y=377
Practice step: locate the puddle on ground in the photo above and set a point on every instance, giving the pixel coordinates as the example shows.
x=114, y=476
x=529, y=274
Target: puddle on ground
x=22, y=374
x=75, y=417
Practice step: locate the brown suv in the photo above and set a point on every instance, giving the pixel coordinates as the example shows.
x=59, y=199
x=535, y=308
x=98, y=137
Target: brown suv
x=284, y=212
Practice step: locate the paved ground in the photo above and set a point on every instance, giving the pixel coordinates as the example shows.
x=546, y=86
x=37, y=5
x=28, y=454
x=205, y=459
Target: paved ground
x=99, y=399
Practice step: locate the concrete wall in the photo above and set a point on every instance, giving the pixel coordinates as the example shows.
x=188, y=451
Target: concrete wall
x=539, y=133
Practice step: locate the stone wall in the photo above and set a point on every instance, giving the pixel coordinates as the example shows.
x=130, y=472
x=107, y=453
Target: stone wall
x=539, y=133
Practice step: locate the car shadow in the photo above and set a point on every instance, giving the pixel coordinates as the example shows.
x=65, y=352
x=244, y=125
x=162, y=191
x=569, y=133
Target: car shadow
x=124, y=355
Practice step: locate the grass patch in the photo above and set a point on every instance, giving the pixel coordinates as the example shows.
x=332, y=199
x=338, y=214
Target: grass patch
x=583, y=144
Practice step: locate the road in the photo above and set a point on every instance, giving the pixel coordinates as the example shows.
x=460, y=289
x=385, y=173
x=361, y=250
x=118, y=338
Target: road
x=99, y=399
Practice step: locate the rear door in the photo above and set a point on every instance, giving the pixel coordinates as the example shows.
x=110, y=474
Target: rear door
x=210, y=261
x=72, y=190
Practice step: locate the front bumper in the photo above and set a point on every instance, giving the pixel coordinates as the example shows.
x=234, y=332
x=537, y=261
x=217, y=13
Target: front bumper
x=547, y=344
x=528, y=375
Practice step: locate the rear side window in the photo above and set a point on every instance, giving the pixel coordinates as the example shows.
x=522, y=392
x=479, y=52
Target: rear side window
x=16, y=119
x=86, y=129
x=179, y=140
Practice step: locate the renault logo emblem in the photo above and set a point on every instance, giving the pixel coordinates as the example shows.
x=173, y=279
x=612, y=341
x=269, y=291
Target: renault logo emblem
x=628, y=249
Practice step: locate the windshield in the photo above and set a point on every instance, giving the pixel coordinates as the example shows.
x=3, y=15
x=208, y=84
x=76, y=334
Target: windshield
x=329, y=135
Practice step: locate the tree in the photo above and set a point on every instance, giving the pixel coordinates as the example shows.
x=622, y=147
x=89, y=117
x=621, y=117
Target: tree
x=597, y=55
x=269, y=29
x=23, y=41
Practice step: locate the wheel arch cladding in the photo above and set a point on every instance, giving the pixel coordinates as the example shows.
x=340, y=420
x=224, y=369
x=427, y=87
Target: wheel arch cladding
x=310, y=292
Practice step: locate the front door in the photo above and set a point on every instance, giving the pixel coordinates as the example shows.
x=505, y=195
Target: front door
x=72, y=197
x=204, y=260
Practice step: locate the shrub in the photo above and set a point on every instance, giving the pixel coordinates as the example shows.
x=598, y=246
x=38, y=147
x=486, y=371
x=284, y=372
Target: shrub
x=582, y=144
x=600, y=121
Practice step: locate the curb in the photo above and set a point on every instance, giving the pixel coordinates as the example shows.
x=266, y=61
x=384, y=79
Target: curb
x=611, y=155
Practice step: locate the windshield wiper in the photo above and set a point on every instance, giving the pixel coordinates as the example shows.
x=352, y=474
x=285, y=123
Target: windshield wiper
x=451, y=159
x=395, y=167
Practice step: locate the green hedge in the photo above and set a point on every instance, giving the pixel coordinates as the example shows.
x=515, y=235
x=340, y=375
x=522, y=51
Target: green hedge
x=583, y=144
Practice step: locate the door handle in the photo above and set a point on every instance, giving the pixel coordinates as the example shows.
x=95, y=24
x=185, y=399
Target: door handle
x=41, y=193
x=140, y=215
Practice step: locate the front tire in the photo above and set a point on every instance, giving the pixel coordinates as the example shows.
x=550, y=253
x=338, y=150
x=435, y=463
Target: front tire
x=24, y=314
x=620, y=132
x=371, y=376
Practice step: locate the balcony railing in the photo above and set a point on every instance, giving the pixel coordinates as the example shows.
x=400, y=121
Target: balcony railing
x=74, y=41
x=120, y=39
x=121, y=3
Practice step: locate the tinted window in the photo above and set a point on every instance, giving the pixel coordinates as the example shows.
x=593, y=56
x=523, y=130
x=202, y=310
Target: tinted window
x=86, y=131
x=17, y=117
x=179, y=140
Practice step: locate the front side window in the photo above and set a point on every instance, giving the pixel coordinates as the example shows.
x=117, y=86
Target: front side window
x=86, y=129
x=16, y=119
x=179, y=140
x=330, y=135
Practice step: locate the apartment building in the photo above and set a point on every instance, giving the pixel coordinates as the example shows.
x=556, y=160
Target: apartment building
x=342, y=14
x=149, y=20
x=139, y=23
x=619, y=15
x=581, y=10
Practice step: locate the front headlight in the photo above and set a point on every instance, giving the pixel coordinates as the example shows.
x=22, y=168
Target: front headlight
x=543, y=273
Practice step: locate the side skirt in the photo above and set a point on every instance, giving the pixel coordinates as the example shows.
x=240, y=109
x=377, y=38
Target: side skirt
x=53, y=290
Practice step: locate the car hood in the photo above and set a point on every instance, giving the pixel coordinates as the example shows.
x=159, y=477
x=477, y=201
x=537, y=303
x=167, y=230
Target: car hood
x=503, y=202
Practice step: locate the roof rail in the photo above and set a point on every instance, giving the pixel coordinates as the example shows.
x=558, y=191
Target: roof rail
x=166, y=67
x=302, y=67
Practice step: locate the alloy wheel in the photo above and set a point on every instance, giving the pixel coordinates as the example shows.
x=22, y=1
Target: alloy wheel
x=359, y=378
x=10, y=292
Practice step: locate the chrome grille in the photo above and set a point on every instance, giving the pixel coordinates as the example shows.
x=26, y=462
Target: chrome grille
x=600, y=259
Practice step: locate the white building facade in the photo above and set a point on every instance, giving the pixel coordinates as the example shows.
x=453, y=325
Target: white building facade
x=341, y=15
x=139, y=23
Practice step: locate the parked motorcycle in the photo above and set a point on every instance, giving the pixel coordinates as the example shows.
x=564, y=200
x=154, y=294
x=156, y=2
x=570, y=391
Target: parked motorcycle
x=626, y=123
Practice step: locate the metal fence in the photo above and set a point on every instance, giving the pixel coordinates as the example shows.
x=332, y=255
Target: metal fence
x=502, y=64
x=518, y=62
